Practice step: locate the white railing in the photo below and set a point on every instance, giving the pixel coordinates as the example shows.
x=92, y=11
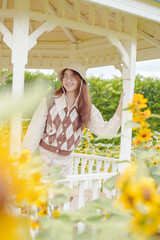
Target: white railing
x=86, y=187
x=89, y=174
x=85, y=163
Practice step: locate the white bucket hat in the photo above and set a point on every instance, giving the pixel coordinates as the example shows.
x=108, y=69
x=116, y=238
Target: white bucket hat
x=76, y=67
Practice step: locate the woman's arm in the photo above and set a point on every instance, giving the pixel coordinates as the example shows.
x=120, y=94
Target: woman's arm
x=100, y=127
x=119, y=108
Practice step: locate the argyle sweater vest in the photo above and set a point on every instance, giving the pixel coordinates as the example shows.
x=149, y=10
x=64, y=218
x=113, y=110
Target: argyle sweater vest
x=61, y=134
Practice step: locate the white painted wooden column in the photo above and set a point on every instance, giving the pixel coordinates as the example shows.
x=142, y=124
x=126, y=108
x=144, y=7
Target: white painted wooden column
x=19, y=60
x=22, y=43
x=128, y=74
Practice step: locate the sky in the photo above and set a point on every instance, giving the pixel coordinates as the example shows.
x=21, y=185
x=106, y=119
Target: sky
x=149, y=68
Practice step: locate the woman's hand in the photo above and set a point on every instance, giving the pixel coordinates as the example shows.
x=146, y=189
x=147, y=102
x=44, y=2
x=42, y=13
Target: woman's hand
x=119, y=108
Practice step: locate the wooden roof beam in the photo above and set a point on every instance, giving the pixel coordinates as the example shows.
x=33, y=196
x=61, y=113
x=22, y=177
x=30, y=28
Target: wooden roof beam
x=117, y=43
x=7, y=36
x=61, y=8
x=47, y=26
x=91, y=14
x=7, y=13
x=4, y=5
x=78, y=25
x=71, y=8
x=68, y=32
x=31, y=27
x=150, y=53
x=148, y=38
x=152, y=25
x=118, y=66
x=77, y=10
x=44, y=5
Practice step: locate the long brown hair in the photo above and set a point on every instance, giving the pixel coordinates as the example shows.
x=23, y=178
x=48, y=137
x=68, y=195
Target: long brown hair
x=84, y=103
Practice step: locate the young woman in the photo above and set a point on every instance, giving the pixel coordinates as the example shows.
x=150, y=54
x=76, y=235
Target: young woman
x=57, y=130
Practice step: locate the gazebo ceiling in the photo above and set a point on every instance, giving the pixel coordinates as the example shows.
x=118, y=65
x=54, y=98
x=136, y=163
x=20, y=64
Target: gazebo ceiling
x=82, y=33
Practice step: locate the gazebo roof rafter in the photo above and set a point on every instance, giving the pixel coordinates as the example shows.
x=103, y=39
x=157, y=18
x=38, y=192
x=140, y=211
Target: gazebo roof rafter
x=67, y=31
x=4, y=5
x=149, y=38
x=78, y=25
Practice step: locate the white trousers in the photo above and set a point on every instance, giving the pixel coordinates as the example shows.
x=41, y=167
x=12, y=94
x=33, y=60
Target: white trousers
x=54, y=159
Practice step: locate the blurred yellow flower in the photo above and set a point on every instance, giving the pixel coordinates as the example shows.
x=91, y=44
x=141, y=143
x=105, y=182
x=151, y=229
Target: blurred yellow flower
x=157, y=147
x=137, y=142
x=85, y=130
x=144, y=125
x=34, y=224
x=24, y=177
x=91, y=135
x=144, y=134
x=139, y=194
x=56, y=213
x=123, y=179
x=13, y=228
x=140, y=117
x=86, y=144
x=42, y=208
x=138, y=102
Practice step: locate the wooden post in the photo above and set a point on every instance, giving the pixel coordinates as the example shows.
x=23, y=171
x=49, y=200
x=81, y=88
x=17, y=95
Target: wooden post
x=128, y=87
x=19, y=60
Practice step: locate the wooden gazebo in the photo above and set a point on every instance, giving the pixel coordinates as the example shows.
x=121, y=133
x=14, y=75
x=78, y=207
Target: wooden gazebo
x=46, y=34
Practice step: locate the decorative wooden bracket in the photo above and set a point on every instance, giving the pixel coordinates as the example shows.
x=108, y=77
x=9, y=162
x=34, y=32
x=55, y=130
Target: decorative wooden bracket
x=117, y=43
x=47, y=26
x=7, y=36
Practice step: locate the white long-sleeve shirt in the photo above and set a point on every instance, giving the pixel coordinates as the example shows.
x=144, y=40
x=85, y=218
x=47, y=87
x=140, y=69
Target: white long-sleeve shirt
x=96, y=124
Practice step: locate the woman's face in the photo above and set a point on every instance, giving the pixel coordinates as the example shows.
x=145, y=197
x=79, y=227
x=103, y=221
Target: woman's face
x=70, y=81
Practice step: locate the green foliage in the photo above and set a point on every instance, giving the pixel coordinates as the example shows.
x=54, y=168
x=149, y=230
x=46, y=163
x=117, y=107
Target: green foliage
x=110, y=183
x=36, y=81
x=50, y=80
x=37, y=78
x=150, y=87
x=155, y=173
x=105, y=95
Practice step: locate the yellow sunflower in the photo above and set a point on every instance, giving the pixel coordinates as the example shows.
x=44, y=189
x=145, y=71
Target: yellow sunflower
x=139, y=100
x=140, y=117
x=144, y=134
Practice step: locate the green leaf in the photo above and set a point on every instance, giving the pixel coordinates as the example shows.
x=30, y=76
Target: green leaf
x=127, y=108
x=54, y=177
x=60, y=228
x=59, y=189
x=53, y=169
x=155, y=173
x=86, y=236
x=115, y=228
x=155, y=115
x=110, y=183
x=131, y=124
x=60, y=199
x=109, y=136
x=95, y=218
x=103, y=204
